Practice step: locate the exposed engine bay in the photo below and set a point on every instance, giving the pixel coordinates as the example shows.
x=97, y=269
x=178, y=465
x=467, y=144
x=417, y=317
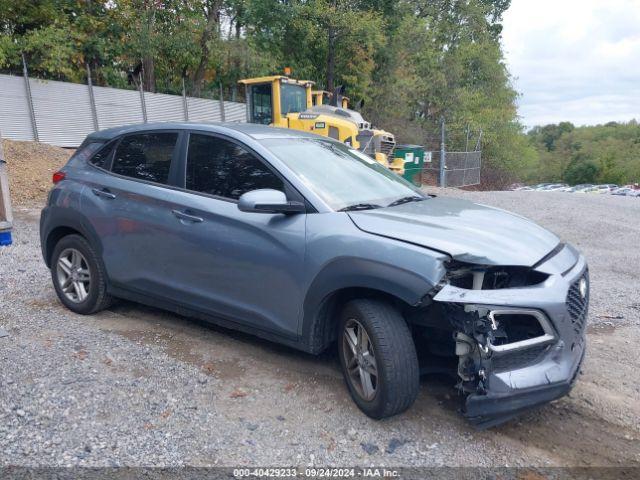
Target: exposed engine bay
x=479, y=342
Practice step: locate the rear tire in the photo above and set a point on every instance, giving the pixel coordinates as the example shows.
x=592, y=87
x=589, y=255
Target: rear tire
x=78, y=276
x=378, y=358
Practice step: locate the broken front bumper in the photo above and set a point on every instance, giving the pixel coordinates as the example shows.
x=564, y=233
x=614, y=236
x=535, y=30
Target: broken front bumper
x=522, y=378
x=492, y=409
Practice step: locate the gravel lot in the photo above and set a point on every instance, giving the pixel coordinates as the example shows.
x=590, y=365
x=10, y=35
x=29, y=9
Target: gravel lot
x=138, y=386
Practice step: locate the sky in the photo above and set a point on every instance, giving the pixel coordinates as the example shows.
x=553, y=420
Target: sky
x=574, y=60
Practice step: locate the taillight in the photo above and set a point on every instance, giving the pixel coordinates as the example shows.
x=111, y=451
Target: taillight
x=58, y=176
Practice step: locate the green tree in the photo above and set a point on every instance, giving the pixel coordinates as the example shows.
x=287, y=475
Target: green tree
x=581, y=172
x=333, y=42
x=603, y=153
x=444, y=60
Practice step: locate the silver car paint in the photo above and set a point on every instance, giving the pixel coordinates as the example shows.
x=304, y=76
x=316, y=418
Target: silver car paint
x=220, y=266
x=467, y=231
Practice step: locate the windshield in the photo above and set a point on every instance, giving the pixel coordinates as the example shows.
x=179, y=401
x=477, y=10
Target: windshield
x=341, y=176
x=293, y=98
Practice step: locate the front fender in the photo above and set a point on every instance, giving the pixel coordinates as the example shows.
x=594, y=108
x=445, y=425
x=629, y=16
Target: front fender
x=404, y=271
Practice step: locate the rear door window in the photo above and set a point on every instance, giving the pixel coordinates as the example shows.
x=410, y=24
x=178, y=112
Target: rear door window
x=216, y=166
x=145, y=156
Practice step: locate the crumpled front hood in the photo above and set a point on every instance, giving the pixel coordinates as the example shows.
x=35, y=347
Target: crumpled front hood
x=467, y=231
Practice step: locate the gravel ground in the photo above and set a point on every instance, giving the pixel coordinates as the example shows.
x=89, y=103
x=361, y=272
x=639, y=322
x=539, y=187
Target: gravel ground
x=137, y=386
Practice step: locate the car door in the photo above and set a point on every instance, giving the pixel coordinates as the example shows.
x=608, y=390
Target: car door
x=128, y=202
x=246, y=267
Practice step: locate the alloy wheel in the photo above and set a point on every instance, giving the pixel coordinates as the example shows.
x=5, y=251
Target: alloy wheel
x=74, y=276
x=360, y=359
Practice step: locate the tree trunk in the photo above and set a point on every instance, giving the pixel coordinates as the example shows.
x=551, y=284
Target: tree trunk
x=332, y=35
x=148, y=64
x=149, y=74
x=213, y=17
x=331, y=60
x=237, y=63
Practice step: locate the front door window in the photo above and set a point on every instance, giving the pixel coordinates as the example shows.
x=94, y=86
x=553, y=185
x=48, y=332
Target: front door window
x=216, y=166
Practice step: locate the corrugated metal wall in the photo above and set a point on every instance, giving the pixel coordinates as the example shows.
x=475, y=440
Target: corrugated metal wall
x=62, y=112
x=116, y=107
x=64, y=117
x=164, y=108
x=235, y=112
x=201, y=111
x=15, y=119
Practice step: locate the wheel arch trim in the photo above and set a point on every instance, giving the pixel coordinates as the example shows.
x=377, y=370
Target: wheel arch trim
x=57, y=222
x=347, y=278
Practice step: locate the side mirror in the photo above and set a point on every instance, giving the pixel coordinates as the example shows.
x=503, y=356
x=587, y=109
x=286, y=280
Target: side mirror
x=268, y=201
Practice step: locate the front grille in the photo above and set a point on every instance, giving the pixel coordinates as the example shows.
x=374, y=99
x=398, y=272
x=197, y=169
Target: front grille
x=366, y=142
x=517, y=359
x=387, y=146
x=577, y=305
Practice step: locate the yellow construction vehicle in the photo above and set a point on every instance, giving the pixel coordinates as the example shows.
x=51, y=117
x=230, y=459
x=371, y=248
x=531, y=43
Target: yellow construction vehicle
x=322, y=97
x=281, y=101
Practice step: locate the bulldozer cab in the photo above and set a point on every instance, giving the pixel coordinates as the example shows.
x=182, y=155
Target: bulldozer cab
x=271, y=99
x=323, y=97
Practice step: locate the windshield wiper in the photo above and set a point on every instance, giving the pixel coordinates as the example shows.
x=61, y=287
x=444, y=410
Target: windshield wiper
x=359, y=206
x=400, y=201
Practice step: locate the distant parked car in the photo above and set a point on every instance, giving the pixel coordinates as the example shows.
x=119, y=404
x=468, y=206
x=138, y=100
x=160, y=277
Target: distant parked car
x=604, y=188
x=626, y=191
x=556, y=188
x=540, y=186
x=583, y=189
x=578, y=188
x=621, y=191
x=552, y=187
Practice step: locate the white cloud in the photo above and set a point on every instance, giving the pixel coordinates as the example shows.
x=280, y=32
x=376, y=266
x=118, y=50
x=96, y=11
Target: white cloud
x=575, y=60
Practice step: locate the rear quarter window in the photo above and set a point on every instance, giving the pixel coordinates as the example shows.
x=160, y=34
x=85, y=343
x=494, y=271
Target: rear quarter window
x=86, y=150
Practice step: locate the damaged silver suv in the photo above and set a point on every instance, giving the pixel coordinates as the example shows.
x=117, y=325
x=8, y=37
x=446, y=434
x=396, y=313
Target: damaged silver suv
x=302, y=240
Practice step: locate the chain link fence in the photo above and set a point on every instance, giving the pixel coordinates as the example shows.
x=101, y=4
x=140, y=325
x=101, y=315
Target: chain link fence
x=462, y=169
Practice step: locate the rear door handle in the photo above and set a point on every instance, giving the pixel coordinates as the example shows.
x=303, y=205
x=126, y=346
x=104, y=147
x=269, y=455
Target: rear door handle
x=187, y=217
x=104, y=193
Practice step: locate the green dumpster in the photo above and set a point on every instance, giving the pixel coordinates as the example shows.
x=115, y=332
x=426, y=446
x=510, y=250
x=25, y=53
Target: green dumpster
x=413, y=156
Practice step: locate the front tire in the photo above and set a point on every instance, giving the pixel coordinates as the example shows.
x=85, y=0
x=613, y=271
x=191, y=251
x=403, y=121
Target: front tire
x=78, y=276
x=378, y=358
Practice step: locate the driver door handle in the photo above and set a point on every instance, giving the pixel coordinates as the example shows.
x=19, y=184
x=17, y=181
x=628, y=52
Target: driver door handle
x=186, y=216
x=104, y=193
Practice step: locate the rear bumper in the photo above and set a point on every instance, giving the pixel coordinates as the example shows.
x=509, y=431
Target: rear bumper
x=485, y=411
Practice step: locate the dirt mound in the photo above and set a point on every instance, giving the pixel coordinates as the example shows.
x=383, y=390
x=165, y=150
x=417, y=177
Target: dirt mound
x=30, y=166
